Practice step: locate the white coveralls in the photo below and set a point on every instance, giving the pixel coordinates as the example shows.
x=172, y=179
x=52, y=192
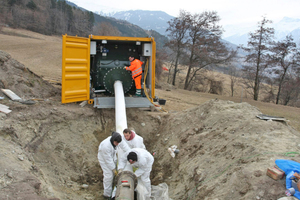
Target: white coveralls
x=136, y=142
x=107, y=159
x=144, y=164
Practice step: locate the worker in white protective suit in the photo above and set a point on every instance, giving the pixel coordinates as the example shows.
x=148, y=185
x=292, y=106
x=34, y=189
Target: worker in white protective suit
x=132, y=139
x=141, y=159
x=107, y=158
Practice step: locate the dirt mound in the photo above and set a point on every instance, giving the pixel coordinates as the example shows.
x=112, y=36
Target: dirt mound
x=225, y=151
x=23, y=82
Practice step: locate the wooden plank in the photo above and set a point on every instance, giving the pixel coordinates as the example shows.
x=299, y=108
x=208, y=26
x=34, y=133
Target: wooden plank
x=11, y=95
x=82, y=104
x=268, y=117
x=4, y=108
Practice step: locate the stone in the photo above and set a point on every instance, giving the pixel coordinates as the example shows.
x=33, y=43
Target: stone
x=21, y=158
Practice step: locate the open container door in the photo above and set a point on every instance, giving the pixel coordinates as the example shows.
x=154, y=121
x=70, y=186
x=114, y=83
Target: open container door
x=75, y=69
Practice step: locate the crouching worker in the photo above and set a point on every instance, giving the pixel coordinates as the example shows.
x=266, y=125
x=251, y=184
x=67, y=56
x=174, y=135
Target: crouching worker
x=133, y=140
x=141, y=159
x=107, y=158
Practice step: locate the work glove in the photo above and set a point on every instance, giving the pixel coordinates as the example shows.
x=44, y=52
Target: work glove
x=124, y=67
x=115, y=172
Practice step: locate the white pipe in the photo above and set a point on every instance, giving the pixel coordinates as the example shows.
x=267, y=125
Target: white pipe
x=121, y=124
x=120, y=116
x=120, y=107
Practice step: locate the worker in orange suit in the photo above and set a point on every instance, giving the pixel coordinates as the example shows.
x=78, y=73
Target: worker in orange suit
x=136, y=70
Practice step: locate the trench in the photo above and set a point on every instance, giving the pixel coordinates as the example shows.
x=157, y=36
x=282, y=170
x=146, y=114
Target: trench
x=62, y=144
x=52, y=151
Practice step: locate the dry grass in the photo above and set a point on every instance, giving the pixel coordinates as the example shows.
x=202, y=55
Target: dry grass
x=178, y=99
x=42, y=55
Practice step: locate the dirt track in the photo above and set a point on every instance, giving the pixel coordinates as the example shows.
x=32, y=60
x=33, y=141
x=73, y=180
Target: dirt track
x=49, y=149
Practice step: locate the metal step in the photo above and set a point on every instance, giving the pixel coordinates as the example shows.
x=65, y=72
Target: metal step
x=131, y=102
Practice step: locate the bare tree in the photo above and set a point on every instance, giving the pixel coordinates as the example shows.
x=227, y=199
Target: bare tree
x=204, y=46
x=216, y=87
x=291, y=89
x=161, y=56
x=233, y=78
x=284, y=57
x=269, y=95
x=178, y=28
x=171, y=65
x=257, y=58
x=3, y=12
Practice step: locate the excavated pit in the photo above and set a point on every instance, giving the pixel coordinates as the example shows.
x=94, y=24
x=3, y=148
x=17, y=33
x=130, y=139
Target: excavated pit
x=49, y=150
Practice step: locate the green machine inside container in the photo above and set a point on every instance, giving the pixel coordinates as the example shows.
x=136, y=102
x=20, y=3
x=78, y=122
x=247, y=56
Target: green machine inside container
x=107, y=65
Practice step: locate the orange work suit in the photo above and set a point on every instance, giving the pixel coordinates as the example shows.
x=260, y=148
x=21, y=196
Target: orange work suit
x=136, y=70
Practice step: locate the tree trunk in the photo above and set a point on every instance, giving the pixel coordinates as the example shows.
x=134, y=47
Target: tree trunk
x=232, y=87
x=279, y=87
x=186, y=83
x=256, y=85
x=175, y=68
x=278, y=93
x=175, y=71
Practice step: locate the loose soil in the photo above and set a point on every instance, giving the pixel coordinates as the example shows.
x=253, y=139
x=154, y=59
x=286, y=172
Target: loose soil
x=48, y=150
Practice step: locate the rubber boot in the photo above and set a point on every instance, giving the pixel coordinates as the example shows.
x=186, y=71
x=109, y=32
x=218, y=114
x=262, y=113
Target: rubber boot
x=138, y=93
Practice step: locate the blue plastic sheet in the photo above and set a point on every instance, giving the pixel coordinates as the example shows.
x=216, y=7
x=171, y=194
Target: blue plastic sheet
x=289, y=167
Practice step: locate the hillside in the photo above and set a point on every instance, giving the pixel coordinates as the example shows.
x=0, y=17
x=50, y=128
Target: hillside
x=63, y=17
x=16, y=42
x=49, y=149
x=148, y=20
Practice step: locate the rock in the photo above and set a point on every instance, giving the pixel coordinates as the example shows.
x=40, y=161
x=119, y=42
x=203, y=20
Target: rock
x=21, y=157
x=258, y=173
x=37, y=186
x=50, y=190
x=9, y=175
x=143, y=124
x=84, y=186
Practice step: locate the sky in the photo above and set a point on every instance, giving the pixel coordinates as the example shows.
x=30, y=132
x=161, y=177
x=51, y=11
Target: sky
x=231, y=12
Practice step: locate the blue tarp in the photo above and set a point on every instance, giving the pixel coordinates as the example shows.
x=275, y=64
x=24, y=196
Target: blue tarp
x=289, y=167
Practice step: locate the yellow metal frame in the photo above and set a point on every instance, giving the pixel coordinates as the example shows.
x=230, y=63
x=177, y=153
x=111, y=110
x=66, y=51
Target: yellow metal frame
x=75, y=69
x=76, y=65
x=153, y=68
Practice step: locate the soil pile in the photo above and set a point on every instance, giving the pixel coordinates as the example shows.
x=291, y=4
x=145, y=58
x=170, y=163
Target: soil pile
x=225, y=151
x=23, y=82
x=49, y=150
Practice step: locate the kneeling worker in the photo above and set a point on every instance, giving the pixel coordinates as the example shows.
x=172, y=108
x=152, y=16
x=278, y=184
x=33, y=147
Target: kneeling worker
x=107, y=158
x=141, y=159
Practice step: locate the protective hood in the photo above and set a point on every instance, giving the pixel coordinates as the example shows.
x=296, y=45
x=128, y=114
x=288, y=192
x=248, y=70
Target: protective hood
x=115, y=136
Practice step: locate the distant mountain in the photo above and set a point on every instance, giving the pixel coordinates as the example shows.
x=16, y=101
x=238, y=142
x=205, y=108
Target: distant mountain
x=148, y=20
x=127, y=28
x=282, y=28
x=155, y=21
